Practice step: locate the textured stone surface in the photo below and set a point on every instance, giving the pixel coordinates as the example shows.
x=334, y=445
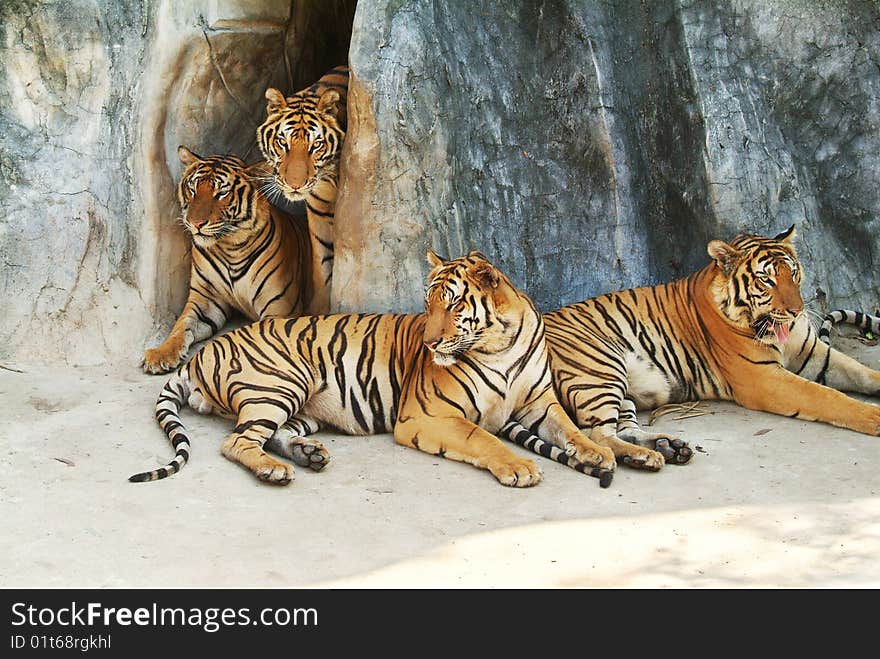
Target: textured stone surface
x=585, y=146
x=594, y=146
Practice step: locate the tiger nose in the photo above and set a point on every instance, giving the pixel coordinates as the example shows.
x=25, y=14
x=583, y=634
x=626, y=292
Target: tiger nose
x=431, y=344
x=198, y=224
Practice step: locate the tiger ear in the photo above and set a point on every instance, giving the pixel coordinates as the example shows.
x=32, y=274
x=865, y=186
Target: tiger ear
x=329, y=102
x=786, y=236
x=433, y=260
x=725, y=255
x=485, y=274
x=275, y=101
x=186, y=156
x=258, y=169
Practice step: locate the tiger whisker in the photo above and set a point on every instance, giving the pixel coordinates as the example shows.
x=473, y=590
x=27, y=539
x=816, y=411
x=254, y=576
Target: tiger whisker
x=814, y=318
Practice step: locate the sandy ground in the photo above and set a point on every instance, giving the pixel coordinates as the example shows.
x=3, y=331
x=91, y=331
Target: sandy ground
x=767, y=501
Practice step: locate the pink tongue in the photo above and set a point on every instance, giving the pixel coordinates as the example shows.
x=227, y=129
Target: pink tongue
x=781, y=332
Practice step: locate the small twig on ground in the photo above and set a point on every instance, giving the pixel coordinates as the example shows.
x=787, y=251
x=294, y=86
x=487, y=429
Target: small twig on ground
x=9, y=368
x=69, y=463
x=686, y=410
x=693, y=414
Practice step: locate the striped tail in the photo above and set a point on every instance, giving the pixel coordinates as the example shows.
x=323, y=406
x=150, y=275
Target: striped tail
x=519, y=434
x=174, y=395
x=865, y=322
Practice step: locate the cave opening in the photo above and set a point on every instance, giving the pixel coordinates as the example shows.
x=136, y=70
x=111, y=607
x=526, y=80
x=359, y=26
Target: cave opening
x=317, y=37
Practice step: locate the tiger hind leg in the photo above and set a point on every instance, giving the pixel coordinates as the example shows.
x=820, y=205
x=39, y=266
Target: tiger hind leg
x=598, y=417
x=291, y=441
x=805, y=354
x=245, y=444
x=674, y=449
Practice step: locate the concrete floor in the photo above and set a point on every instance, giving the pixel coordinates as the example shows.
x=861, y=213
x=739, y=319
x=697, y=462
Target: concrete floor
x=767, y=501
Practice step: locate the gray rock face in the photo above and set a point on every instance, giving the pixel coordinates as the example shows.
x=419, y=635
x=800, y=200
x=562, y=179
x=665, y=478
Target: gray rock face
x=591, y=146
x=584, y=146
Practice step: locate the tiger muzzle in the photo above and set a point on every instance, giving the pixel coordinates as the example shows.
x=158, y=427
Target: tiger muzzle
x=296, y=170
x=203, y=209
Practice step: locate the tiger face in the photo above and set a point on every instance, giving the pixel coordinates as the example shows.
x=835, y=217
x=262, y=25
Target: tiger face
x=760, y=286
x=216, y=196
x=470, y=307
x=301, y=139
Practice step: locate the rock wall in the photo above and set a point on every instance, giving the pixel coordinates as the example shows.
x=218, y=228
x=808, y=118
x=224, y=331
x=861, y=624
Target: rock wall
x=584, y=146
x=589, y=146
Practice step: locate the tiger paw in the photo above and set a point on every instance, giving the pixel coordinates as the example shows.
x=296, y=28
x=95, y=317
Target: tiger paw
x=643, y=458
x=305, y=452
x=310, y=453
x=875, y=418
x=674, y=450
x=274, y=471
x=592, y=454
x=516, y=472
x=162, y=359
x=866, y=420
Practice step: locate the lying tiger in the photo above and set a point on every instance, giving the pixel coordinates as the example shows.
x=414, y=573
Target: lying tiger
x=246, y=255
x=301, y=140
x=444, y=381
x=735, y=331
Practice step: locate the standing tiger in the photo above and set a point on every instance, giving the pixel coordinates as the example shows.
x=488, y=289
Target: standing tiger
x=246, y=255
x=444, y=381
x=735, y=331
x=301, y=139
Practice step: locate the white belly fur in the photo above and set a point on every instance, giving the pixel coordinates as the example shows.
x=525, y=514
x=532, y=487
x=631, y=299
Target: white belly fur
x=647, y=384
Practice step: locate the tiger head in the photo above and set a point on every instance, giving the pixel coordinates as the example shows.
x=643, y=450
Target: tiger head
x=216, y=195
x=470, y=307
x=757, y=287
x=301, y=139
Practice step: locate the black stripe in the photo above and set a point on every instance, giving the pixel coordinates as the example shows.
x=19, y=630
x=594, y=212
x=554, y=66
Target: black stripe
x=358, y=415
x=820, y=378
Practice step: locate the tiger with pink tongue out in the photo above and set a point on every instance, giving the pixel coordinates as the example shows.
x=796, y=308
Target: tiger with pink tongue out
x=734, y=330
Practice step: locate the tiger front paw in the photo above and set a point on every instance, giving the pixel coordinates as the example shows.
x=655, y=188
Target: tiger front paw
x=863, y=417
x=165, y=358
x=516, y=472
x=871, y=424
x=274, y=471
x=639, y=457
x=589, y=453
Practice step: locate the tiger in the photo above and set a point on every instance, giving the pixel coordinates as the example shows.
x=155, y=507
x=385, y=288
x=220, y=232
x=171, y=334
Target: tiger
x=301, y=140
x=444, y=381
x=735, y=330
x=247, y=256
x=864, y=321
